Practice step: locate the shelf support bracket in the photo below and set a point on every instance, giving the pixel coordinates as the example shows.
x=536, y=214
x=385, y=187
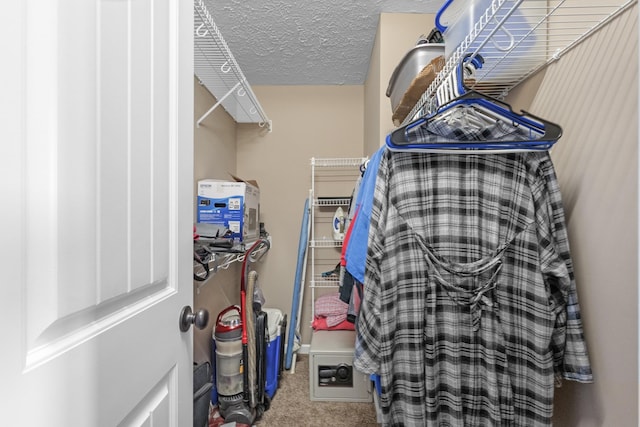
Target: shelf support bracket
x=204, y=116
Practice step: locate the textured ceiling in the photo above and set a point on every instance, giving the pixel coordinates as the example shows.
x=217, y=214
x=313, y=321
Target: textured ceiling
x=288, y=42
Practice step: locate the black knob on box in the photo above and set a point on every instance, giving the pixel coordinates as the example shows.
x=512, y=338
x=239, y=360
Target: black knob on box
x=342, y=372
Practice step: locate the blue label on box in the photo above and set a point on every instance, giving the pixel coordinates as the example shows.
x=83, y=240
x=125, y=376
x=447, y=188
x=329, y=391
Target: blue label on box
x=225, y=211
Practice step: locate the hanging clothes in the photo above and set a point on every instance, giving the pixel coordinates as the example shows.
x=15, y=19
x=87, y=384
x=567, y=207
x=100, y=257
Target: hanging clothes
x=354, y=246
x=470, y=312
x=355, y=251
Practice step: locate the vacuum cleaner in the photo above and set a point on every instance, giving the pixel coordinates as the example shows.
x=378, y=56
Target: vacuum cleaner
x=228, y=356
x=246, y=347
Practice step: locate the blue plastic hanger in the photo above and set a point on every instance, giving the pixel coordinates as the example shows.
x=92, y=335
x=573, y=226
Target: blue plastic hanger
x=533, y=133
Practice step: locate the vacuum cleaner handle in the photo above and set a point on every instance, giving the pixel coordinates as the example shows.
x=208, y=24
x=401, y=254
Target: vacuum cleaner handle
x=226, y=310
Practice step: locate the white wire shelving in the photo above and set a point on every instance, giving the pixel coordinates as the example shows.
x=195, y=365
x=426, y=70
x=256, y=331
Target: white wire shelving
x=516, y=38
x=217, y=69
x=216, y=261
x=321, y=281
x=328, y=175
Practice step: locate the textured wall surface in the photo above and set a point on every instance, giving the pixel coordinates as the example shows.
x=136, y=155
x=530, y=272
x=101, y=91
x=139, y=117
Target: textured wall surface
x=592, y=93
x=282, y=42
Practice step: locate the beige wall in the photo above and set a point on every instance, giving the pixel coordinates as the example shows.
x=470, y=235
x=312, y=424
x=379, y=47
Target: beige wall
x=308, y=121
x=214, y=157
x=397, y=33
x=373, y=94
x=521, y=96
x=592, y=93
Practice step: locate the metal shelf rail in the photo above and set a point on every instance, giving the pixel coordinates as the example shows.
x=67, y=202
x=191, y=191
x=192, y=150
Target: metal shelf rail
x=218, y=71
x=539, y=31
x=216, y=261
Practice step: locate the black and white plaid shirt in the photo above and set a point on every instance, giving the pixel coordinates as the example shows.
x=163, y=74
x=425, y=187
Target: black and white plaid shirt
x=470, y=309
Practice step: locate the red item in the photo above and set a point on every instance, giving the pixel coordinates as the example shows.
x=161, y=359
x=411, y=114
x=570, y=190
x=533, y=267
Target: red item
x=228, y=324
x=332, y=308
x=320, y=324
x=347, y=237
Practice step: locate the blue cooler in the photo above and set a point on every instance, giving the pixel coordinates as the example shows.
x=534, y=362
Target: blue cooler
x=274, y=350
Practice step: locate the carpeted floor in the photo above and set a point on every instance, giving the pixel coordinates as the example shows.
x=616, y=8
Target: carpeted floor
x=291, y=405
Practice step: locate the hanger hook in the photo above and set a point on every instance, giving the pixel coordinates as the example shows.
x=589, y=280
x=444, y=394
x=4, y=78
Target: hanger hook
x=241, y=92
x=509, y=36
x=199, y=29
x=225, y=68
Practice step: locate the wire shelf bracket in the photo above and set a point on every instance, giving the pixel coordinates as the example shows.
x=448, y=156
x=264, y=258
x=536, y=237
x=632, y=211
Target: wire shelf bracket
x=217, y=70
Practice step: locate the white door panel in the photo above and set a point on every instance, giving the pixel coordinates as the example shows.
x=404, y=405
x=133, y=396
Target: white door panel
x=96, y=171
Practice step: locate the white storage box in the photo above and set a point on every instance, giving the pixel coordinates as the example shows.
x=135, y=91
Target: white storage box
x=456, y=19
x=233, y=204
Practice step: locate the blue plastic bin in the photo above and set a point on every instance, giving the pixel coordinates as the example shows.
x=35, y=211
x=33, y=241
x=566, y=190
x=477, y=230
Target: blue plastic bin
x=274, y=319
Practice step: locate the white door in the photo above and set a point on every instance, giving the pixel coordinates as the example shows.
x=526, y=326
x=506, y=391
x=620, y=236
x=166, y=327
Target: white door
x=96, y=116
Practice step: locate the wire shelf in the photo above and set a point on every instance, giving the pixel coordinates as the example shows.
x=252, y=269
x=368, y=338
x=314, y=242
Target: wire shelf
x=537, y=31
x=326, y=243
x=337, y=201
x=324, y=282
x=334, y=176
x=217, y=69
x=337, y=163
x=216, y=261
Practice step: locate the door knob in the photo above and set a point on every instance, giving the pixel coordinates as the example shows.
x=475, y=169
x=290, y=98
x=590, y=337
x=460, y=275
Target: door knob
x=188, y=318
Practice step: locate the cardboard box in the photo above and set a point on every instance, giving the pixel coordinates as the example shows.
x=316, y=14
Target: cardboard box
x=233, y=204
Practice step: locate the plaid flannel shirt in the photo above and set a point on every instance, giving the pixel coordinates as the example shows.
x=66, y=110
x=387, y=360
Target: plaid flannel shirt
x=470, y=309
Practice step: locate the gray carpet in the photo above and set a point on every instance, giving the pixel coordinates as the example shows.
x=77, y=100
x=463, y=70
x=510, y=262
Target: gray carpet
x=291, y=405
